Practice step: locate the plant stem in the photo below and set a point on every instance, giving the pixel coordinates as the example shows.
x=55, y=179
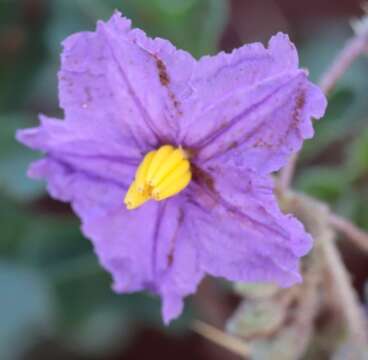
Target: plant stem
x=350, y=306
x=351, y=51
x=233, y=344
x=359, y=237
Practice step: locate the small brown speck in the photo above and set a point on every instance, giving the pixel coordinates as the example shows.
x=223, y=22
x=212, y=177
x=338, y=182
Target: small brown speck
x=162, y=72
x=170, y=259
x=170, y=256
x=300, y=102
x=87, y=91
x=232, y=145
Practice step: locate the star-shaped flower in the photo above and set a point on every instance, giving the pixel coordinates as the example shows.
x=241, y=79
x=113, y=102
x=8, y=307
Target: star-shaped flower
x=167, y=160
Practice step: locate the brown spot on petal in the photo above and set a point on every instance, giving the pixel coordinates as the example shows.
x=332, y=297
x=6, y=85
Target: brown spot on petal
x=162, y=72
x=191, y=153
x=261, y=143
x=299, y=105
x=164, y=78
x=296, y=116
x=88, y=94
x=170, y=259
x=170, y=256
x=204, y=178
x=232, y=145
x=175, y=102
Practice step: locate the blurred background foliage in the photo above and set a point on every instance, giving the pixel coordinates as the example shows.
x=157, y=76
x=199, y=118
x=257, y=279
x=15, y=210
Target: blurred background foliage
x=55, y=299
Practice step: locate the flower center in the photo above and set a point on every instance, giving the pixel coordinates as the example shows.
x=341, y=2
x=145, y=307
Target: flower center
x=161, y=174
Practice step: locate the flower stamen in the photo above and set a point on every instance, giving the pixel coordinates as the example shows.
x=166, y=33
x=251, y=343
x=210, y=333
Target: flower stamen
x=162, y=173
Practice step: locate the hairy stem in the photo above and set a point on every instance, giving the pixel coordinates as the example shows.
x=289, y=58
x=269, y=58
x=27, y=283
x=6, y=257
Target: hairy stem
x=352, y=50
x=359, y=237
x=350, y=306
x=233, y=344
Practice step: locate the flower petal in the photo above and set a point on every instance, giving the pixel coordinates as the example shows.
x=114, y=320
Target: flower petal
x=184, y=274
x=144, y=249
x=83, y=149
x=241, y=234
x=147, y=249
x=119, y=78
x=90, y=195
x=254, y=106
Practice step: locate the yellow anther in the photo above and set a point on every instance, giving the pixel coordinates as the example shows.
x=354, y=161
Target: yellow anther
x=172, y=161
x=141, y=174
x=160, y=156
x=162, y=173
x=174, y=188
x=134, y=198
x=172, y=178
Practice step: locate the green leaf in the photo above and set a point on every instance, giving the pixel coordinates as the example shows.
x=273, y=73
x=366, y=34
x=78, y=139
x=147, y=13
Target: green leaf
x=335, y=125
x=93, y=318
x=14, y=160
x=193, y=25
x=361, y=211
x=51, y=240
x=357, y=162
x=68, y=17
x=347, y=104
x=175, y=7
x=348, y=202
x=104, y=329
x=13, y=222
x=22, y=54
x=325, y=183
x=196, y=27
x=26, y=309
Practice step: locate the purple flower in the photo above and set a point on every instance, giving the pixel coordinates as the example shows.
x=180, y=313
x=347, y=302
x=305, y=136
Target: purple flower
x=230, y=121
